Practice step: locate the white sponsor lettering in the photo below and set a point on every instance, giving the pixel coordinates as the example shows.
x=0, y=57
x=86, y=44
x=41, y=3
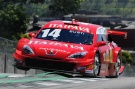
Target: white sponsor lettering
x=58, y=50
x=30, y=42
x=60, y=26
x=69, y=27
x=103, y=71
x=56, y=43
x=43, y=42
x=77, y=47
x=88, y=71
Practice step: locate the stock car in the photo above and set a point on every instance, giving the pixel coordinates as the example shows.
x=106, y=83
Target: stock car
x=71, y=47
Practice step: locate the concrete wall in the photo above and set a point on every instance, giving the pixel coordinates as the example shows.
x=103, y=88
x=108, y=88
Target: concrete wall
x=6, y=66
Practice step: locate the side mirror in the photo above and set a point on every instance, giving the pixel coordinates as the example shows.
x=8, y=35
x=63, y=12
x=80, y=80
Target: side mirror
x=101, y=43
x=31, y=34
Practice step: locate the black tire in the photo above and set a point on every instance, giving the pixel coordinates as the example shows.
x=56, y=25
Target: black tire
x=117, y=66
x=96, y=69
x=97, y=64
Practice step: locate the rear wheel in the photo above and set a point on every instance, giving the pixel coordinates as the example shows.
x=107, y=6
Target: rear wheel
x=117, y=68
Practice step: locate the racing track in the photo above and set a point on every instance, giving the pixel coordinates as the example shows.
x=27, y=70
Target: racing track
x=50, y=80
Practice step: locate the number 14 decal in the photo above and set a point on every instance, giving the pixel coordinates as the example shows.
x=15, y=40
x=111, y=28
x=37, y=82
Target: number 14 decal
x=55, y=33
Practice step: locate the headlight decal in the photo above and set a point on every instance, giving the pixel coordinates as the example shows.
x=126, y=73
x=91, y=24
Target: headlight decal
x=78, y=55
x=27, y=49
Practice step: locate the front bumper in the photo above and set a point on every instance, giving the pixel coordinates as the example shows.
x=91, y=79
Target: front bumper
x=47, y=64
x=51, y=64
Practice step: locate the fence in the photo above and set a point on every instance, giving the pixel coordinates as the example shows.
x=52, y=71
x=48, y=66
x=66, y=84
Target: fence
x=7, y=48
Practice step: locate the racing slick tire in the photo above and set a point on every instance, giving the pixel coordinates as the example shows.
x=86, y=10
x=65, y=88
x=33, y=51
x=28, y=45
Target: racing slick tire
x=96, y=69
x=117, y=66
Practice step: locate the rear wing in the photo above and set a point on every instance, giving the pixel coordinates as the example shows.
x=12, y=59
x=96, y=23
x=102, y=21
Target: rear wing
x=121, y=33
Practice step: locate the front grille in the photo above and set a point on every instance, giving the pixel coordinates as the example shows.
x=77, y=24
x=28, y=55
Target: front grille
x=49, y=58
x=52, y=65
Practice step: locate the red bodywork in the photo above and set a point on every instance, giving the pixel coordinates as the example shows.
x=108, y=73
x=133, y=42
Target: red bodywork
x=67, y=56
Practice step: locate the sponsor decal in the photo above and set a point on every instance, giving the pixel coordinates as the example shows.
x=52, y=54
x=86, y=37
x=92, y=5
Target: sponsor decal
x=108, y=55
x=52, y=51
x=101, y=30
x=103, y=71
x=56, y=44
x=104, y=66
x=73, y=27
x=55, y=33
x=88, y=71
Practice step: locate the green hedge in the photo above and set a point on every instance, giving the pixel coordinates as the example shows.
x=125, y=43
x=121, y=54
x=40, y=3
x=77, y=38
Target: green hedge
x=127, y=57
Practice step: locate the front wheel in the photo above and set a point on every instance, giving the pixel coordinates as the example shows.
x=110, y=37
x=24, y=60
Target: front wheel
x=96, y=68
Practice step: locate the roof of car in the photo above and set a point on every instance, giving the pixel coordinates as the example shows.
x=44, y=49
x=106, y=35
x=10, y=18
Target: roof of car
x=72, y=25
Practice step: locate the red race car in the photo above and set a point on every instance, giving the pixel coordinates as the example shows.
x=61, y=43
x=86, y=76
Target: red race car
x=71, y=46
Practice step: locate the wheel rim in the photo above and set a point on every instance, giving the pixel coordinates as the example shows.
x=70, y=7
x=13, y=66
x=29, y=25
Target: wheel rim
x=118, y=64
x=96, y=65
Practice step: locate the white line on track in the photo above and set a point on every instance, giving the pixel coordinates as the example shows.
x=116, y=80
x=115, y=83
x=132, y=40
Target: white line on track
x=84, y=79
x=47, y=83
x=70, y=81
x=15, y=75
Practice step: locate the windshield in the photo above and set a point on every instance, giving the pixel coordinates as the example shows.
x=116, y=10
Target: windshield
x=63, y=35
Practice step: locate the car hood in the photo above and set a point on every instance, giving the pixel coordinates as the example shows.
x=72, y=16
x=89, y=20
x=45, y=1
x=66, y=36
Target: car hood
x=55, y=49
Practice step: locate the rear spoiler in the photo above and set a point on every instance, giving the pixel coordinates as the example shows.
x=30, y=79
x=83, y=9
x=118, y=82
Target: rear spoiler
x=121, y=33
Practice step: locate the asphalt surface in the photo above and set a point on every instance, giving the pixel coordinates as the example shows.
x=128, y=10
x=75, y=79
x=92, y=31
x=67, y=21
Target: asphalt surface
x=51, y=80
